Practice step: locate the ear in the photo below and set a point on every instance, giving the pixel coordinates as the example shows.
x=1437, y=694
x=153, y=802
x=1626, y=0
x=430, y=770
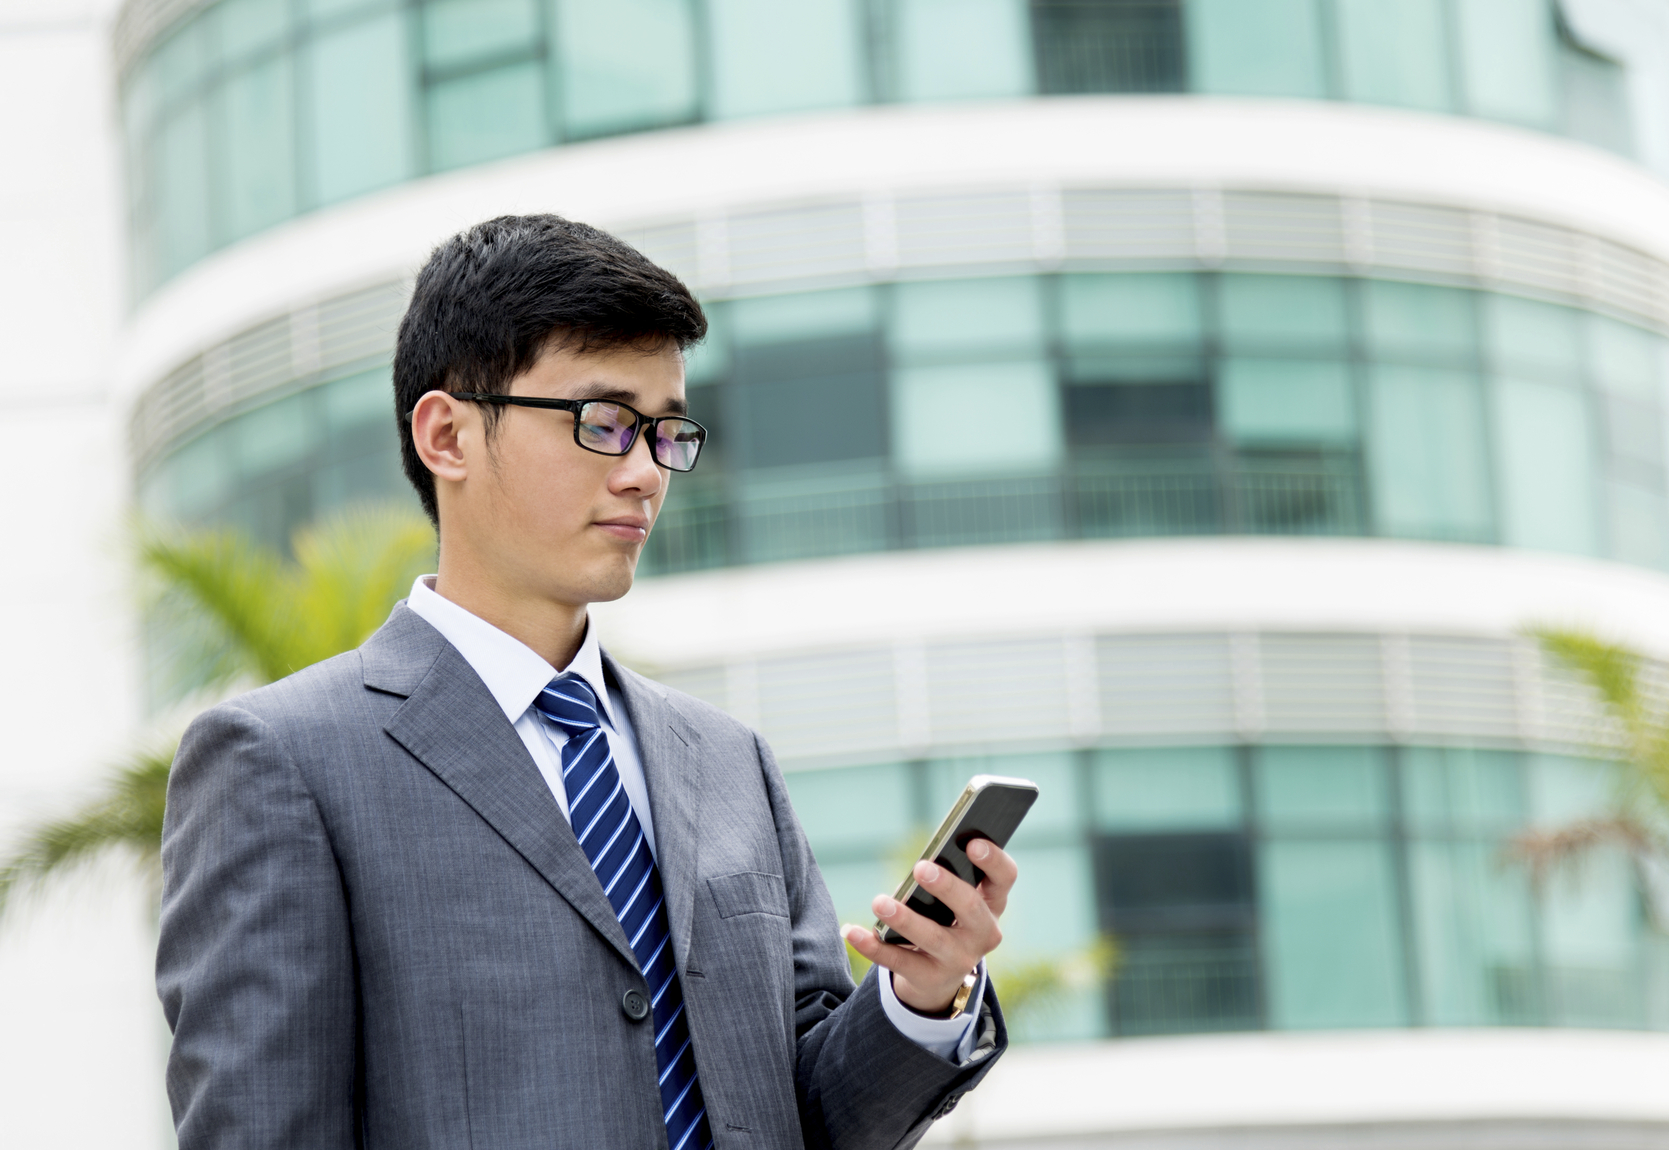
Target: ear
x=440, y=427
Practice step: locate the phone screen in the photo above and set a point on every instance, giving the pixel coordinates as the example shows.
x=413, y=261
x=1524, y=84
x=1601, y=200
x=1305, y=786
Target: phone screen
x=990, y=807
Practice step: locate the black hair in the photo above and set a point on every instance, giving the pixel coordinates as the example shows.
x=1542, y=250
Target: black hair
x=495, y=297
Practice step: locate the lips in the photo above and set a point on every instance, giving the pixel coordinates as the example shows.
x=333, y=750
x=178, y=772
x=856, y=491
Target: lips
x=630, y=528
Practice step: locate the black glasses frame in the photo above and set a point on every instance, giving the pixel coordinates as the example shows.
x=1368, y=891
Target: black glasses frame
x=578, y=406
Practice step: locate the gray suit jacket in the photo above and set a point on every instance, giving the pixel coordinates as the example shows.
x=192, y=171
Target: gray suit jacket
x=378, y=931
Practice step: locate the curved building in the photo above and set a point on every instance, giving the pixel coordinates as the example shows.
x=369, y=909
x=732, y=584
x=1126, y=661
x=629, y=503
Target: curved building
x=1188, y=404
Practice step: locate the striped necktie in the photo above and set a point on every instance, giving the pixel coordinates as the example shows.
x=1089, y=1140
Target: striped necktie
x=613, y=841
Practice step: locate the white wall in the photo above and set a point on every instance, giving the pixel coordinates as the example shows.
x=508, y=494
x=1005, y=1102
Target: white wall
x=81, y=1041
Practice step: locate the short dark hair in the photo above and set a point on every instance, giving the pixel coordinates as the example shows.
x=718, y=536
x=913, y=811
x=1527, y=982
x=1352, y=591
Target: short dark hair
x=495, y=297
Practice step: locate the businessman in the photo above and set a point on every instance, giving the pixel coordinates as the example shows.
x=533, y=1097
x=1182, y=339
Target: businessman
x=476, y=884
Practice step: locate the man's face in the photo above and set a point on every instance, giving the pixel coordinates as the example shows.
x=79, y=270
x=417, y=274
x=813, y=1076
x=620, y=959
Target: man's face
x=550, y=520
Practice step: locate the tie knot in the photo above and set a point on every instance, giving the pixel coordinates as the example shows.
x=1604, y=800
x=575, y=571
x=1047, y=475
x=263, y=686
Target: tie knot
x=570, y=703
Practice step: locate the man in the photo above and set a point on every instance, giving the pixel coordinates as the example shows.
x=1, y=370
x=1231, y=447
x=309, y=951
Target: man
x=476, y=884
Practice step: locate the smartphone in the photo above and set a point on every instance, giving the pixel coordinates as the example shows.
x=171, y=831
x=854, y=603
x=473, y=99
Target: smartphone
x=990, y=807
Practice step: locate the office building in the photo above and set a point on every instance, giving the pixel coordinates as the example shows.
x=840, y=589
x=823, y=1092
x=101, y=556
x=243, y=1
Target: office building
x=1187, y=404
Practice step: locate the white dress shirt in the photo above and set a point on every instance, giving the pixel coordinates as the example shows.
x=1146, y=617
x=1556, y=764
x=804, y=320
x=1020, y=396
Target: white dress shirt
x=514, y=674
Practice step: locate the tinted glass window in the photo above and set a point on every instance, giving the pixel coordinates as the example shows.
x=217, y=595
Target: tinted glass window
x=1172, y=882
x=1108, y=45
x=820, y=401
x=1114, y=414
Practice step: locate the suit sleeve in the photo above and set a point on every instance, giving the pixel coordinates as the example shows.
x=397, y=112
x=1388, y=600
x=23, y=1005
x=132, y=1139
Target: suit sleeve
x=862, y=1084
x=254, y=962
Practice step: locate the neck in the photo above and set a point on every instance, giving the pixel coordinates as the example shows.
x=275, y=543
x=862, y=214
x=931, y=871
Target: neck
x=554, y=630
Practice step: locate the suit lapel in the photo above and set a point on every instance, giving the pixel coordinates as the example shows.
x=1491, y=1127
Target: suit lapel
x=672, y=771
x=451, y=724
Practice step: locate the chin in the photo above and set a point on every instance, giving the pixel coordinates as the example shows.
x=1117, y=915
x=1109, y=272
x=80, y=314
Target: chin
x=612, y=585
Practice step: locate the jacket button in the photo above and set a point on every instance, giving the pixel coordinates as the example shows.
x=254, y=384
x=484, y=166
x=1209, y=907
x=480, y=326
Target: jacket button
x=635, y=1005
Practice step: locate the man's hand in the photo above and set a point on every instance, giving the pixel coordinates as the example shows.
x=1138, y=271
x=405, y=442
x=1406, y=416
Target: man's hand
x=927, y=974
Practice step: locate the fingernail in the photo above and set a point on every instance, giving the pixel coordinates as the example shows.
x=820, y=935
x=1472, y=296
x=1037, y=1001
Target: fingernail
x=848, y=931
x=927, y=872
x=885, y=907
x=978, y=849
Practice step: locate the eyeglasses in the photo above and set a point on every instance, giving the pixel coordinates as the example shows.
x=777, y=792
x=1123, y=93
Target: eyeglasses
x=608, y=427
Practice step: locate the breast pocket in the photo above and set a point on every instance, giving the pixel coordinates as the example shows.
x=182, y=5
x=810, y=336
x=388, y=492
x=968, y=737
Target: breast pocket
x=749, y=892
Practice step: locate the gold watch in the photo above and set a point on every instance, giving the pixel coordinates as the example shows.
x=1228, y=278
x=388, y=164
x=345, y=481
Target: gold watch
x=964, y=992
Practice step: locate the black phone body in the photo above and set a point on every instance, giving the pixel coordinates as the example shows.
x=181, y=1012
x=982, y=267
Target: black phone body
x=990, y=807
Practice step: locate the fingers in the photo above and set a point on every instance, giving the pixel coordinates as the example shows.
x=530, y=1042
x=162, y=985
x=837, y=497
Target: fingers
x=901, y=960
x=1000, y=873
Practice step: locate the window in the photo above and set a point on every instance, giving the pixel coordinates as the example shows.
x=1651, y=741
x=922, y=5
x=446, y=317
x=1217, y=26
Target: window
x=1332, y=943
x=1181, y=908
x=957, y=49
x=1189, y=788
x=817, y=401
x=1594, y=88
x=182, y=189
x=257, y=172
x=1099, y=311
x=1256, y=48
x=245, y=27
x=783, y=56
x=486, y=96
x=1544, y=448
x=1419, y=323
x=967, y=319
x=1509, y=54
x=975, y=419
x=1624, y=358
x=1305, y=788
x=1476, y=941
x=1282, y=313
x=1122, y=413
x=1429, y=454
x=1395, y=53
x=1108, y=45
x=1527, y=337
x=1287, y=401
x=487, y=116
x=626, y=64
x=358, y=91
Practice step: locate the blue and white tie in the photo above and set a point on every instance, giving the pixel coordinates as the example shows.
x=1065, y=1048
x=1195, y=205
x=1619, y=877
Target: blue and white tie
x=613, y=841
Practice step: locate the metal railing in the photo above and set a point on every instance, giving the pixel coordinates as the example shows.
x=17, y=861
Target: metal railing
x=1108, y=46
x=705, y=526
x=1188, y=991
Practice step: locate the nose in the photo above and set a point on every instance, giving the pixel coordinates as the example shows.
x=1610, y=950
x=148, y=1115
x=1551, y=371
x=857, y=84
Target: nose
x=637, y=469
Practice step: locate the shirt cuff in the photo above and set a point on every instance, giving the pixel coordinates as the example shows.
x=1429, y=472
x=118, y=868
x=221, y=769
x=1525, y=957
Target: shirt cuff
x=949, y=1038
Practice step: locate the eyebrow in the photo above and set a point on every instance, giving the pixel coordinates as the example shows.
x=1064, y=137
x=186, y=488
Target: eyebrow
x=626, y=396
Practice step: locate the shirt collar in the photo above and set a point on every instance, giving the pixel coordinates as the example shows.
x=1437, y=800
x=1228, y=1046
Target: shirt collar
x=513, y=672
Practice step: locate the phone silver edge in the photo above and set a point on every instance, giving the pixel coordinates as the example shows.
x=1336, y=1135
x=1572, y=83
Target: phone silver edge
x=947, y=827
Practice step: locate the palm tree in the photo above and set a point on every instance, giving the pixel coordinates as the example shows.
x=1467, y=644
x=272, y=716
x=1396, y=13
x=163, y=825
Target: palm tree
x=230, y=613
x=1640, y=823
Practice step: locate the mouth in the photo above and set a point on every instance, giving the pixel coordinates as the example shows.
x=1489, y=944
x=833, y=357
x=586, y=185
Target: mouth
x=626, y=528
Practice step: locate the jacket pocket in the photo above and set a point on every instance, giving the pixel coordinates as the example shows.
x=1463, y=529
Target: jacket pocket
x=749, y=892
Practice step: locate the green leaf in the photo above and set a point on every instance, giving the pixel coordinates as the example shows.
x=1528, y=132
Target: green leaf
x=231, y=611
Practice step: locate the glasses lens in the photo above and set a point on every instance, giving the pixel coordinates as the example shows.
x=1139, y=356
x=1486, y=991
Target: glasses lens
x=678, y=443
x=606, y=427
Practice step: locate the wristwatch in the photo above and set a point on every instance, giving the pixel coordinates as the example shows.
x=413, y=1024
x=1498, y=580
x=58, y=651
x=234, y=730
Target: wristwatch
x=964, y=992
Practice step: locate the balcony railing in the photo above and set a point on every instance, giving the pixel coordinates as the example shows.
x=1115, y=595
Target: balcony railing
x=1108, y=45
x=709, y=523
x=1183, y=992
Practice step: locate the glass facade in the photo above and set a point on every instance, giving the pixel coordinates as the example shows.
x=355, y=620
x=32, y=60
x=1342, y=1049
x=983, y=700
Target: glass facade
x=1279, y=887
x=1361, y=882
x=251, y=111
x=1026, y=408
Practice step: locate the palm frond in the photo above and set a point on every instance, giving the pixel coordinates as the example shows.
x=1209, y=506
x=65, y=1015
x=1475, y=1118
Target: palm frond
x=232, y=610
x=1615, y=674
x=1547, y=849
x=349, y=571
x=218, y=594
x=127, y=814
